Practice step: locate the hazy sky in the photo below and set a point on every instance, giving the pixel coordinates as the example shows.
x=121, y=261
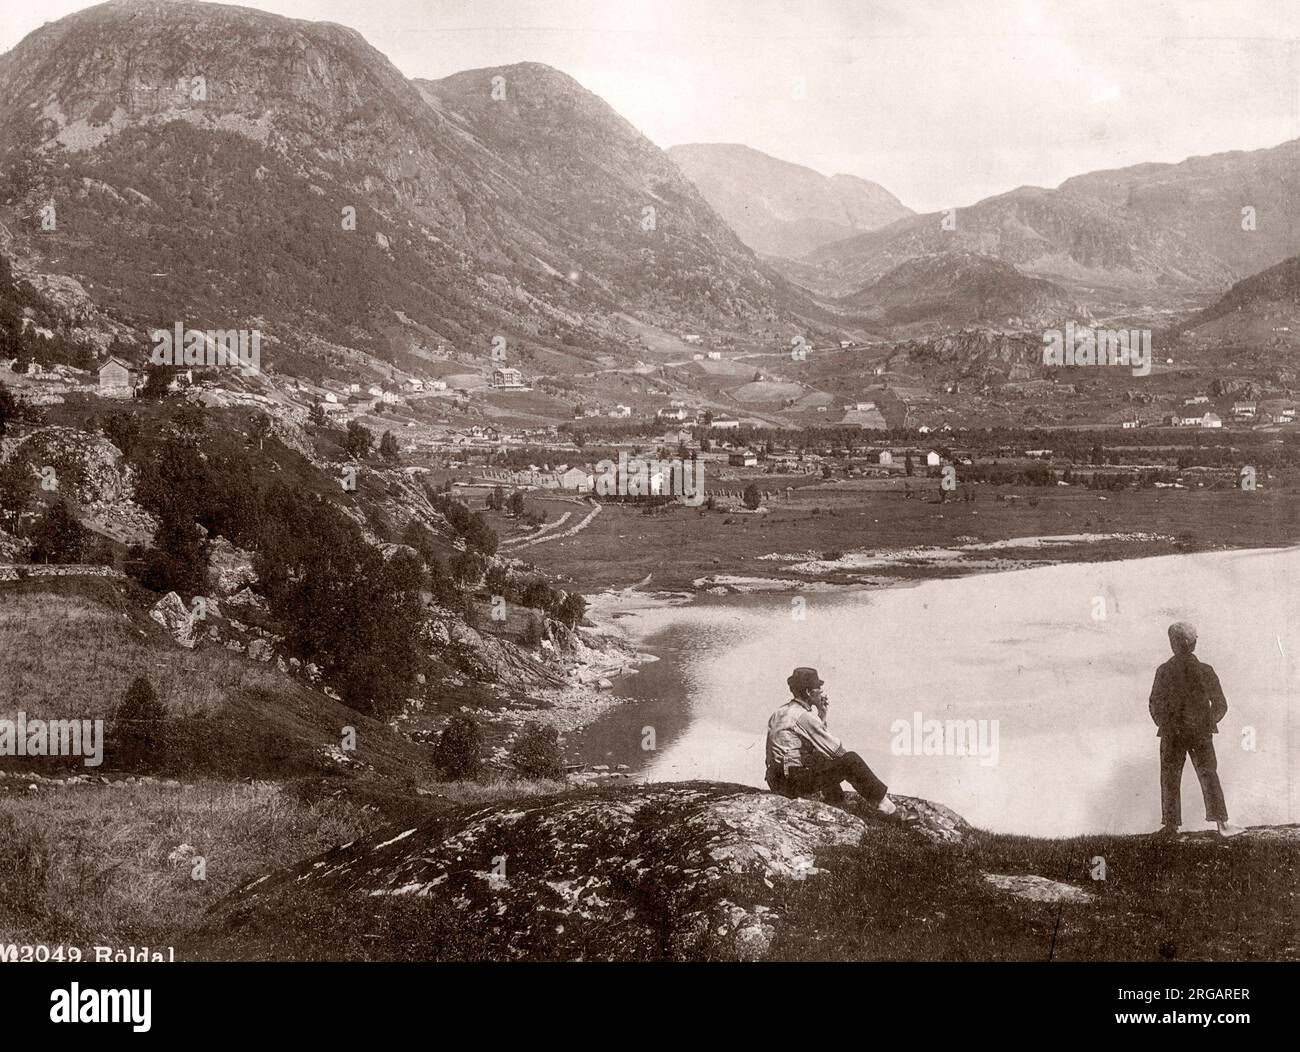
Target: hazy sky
x=941, y=102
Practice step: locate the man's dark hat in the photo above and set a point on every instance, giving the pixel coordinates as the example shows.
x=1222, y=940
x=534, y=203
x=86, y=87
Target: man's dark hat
x=804, y=679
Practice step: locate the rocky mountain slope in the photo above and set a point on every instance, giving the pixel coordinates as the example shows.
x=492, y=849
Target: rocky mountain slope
x=202, y=160
x=953, y=289
x=780, y=208
x=1154, y=234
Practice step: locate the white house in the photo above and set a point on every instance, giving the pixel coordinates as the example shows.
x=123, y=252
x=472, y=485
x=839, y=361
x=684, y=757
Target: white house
x=691, y=337
x=672, y=413
x=715, y=356
x=437, y=385
x=577, y=480
x=621, y=412
x=932, y=459
x=744, y=458
x=886, y=458
x=1211, y=420
x=725, y=423
x=508, y=378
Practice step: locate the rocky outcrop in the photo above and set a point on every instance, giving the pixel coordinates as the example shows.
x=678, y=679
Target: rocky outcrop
x=686, y=870
x=171, y=612
x=230, y=569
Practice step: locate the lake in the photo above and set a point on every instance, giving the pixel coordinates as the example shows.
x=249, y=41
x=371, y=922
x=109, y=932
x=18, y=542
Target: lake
x=1056, y=661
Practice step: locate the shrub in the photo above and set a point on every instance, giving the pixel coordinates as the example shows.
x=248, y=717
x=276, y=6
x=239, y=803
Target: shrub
x=533, y=632
x=536, y=752
x=57, y=536
x=456, y=753
x=136, y=734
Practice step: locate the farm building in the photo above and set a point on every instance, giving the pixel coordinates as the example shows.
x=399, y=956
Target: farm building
x=118, y=379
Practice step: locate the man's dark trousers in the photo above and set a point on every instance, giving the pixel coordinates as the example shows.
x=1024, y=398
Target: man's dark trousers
x=1174, y=751
x=826, y=777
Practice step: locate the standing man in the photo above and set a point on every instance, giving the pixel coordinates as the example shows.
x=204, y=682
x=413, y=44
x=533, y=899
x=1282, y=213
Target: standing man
x=803, y=757
x=1187, y=704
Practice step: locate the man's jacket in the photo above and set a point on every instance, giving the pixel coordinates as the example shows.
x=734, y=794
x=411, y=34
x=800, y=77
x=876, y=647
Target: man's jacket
x=797, y=737
x=1186, y=699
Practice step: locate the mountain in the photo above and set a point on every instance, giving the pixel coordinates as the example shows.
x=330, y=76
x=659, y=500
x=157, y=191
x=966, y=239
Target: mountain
x=784, y=209
x=224, y=200
x=1259, y=314
x=953, y=289
x=1161, y=235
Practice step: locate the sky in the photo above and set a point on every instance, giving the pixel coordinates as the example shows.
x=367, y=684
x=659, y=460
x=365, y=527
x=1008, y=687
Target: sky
x=942, y=102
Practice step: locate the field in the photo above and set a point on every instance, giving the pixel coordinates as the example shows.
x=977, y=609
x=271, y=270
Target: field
x=623, y=546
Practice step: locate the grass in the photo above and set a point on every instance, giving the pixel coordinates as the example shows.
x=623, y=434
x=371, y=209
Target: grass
x=1202, y=899
x=90, y=864
x=69, y=648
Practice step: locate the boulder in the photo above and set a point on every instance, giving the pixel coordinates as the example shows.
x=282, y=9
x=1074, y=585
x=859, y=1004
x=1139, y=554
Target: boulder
x=175, y=616
x=230, y=569
x=686, y=870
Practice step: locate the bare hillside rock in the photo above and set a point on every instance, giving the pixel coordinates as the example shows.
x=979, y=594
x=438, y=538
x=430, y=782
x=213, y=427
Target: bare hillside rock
x=684, y=870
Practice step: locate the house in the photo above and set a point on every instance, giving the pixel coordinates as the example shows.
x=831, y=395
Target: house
x=1189, y=421
x=692, y=337
x=744, y=458
x=437, y=385
x=577, y=480
x=331, y=398
x=118, y=379
x=932, y=459
x=845, y=344
x=722, y=422
x=697, y=357
x=672, y=413
x=1197, y=400
x=375, y=391
x=860, y=407
x=507, y=378
x=885, y=459
x=1211, y=420
x=1128, y=424
x=1244, y=410
x=621, y=412
x=715, y=356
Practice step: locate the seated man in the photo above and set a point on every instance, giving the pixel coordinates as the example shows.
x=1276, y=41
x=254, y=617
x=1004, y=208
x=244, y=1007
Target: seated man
x=804, y=758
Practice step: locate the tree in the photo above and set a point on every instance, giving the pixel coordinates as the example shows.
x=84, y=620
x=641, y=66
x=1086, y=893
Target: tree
x=752, y=497
x=15, y=491
x=536, y=752
x=260, y=428
x=10, y=409
x=123, y=430
x=136, y=728
x=57, y=536
x=907, y=464
x=316, y=416
x=456, y=752
x=572, y=609
x=388, y=448
x=178, y=559
x=357, y=440
x=157, y=382
x=496, y=499
x=517, y=503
